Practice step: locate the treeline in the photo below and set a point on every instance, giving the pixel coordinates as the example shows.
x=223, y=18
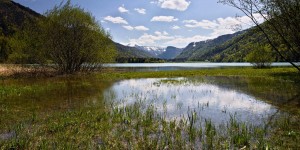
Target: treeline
x=139, y=60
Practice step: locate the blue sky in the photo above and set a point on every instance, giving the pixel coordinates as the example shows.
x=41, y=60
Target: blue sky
x=157, y=22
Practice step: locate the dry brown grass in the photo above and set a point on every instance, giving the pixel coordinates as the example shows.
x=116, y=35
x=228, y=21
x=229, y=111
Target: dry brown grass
x=7, y=70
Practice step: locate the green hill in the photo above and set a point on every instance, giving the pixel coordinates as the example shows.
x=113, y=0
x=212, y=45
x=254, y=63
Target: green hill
x=13, y=17
x=170, y=53
x=131, y=52
x=226, y=48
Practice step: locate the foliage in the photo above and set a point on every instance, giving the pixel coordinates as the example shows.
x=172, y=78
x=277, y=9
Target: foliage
x=73, y=40
x=3, y=48
x=25, y=46
x=13, y=18
x=281, y=24
x=260, y=56
x=139, y=60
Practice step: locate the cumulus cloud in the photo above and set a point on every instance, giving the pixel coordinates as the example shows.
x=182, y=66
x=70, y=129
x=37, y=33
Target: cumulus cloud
x=141, y=28
x=128, y=27
x=206, y=24
x=217, y=28
x=117, y=20
x=165, y=33
x=140, y=10
x=138, y=28
x=183, y=41
x=222, y=26
x=180, y=5
x=122, y=9
x=175, y=27
x=148, y=39
x=164, y=18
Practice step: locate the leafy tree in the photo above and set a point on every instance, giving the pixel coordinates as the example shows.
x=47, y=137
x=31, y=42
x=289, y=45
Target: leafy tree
x=25, y=45
x=3, y=48
x=73, y=40
x=260, y=56
x=281, y=24
x=67, y=38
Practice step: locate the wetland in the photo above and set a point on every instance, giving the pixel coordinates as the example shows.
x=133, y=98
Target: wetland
x=201, y=109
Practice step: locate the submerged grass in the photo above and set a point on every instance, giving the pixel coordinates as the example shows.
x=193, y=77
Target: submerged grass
x=106, y=126
x=132, y=128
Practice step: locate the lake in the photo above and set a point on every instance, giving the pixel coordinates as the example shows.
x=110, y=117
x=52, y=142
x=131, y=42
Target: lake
x=212, y=98
x=181, y=66
x=215, y=98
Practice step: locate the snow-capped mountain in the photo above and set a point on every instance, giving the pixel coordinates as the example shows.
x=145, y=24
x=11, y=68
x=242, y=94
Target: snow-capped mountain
x=153, y=50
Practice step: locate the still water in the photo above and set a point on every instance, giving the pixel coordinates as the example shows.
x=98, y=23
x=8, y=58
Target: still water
x=211, y=98
x=180, y=66
x=215, y=98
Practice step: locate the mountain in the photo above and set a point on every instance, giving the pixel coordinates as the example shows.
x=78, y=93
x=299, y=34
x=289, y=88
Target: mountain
x=203, y=50
x=13, y=16
x=131, y=52
x=170, y=53
x=226, y=48
x=153, y=50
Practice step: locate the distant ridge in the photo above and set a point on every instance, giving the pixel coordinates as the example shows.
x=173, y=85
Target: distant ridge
x=13, y=16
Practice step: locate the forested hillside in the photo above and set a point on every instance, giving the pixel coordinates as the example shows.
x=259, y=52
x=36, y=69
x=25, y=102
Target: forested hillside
x=13, y=17
x=170, y=53
x=226, y=48
x=131, y=52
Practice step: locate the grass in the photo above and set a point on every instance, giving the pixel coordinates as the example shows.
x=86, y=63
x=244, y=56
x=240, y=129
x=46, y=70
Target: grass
x=105, y=126
x=284, y=73
x=129, y=128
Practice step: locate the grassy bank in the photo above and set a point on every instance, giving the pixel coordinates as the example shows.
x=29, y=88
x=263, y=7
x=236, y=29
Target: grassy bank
x=102, y=125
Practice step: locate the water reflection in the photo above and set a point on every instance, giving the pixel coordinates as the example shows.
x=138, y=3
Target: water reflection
x=177, y=96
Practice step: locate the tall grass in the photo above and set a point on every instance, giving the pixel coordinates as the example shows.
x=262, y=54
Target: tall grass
x=131, y=127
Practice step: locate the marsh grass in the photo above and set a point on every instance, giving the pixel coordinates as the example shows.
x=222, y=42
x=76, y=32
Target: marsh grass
x=107, y=125
x=131, y=127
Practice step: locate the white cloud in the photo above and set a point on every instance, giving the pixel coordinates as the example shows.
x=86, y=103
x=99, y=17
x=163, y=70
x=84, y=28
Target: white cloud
x=180, y=5
x=122, y=9
x=140, y=10
x=217, y=28
x=206, y=24
x=161, y=33
x=165, y=33
x=175, y=27
x=157, y=33
x=138, y=28
x=148, y=39
x=128, y=27
x=164, y=18
x=223, y=26
x=183, y=41
x=141, y=28
x=117, y=20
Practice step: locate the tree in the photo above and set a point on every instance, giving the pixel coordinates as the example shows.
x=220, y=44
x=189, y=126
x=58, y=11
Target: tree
x=25, y=45
x=67, y=38
x=73, y=40
x=260, y=56
x=281, y=24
